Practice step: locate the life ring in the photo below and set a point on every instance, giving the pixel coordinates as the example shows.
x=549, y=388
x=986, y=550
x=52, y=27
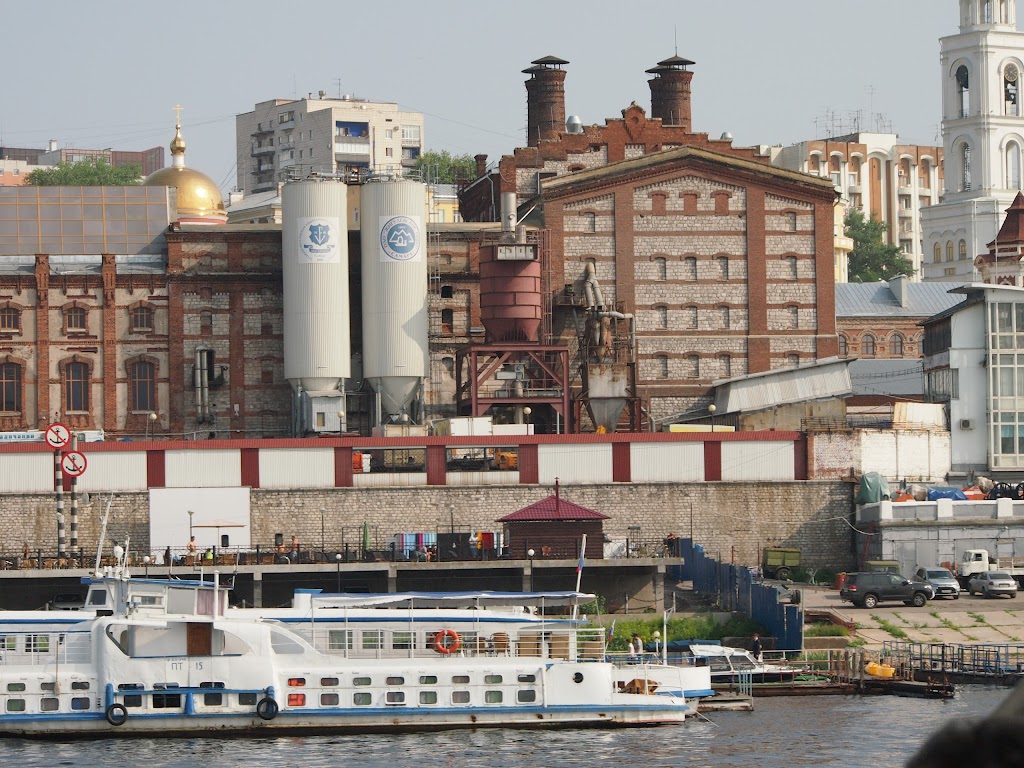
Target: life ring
x=447, y=642
x=116, y=714
x=267, y=708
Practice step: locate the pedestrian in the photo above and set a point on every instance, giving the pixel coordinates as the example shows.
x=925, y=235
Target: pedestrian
x=167, y=555
x=191, y=545
x=295, y=548
x=636, y=646
x=670, y=545
x=756, y=647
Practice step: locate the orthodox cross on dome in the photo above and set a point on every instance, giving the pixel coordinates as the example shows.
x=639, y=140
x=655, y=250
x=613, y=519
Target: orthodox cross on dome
x=177, y=114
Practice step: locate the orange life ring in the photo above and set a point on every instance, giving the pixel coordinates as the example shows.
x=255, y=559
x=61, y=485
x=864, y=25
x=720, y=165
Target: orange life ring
x=447, y=642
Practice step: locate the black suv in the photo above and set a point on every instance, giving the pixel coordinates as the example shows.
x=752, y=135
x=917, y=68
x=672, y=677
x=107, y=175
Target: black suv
x=866, y=590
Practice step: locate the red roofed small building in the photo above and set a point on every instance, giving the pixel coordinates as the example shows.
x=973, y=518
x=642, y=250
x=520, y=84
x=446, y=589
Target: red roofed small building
x=1004, y=262
x=554, y=528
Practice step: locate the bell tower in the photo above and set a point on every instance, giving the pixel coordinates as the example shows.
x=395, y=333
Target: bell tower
x=982, y=138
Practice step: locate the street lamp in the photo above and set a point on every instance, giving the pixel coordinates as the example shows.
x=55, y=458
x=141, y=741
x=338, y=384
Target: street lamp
x=190, y=513
x=323, y=551
x=145, y=562
x=151, y=420
x=530, y=553
x=451, y=516
x=657, y=642
x=711, y=410
x=337, y=559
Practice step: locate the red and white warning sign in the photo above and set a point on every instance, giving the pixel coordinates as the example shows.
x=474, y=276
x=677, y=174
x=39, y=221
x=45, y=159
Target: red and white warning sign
x=73, y=463
x=57, y=436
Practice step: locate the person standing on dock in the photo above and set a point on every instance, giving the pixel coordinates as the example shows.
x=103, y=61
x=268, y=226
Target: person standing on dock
x=756, y=647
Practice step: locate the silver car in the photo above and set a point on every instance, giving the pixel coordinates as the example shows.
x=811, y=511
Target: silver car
x=945, y=583
x=992, y=583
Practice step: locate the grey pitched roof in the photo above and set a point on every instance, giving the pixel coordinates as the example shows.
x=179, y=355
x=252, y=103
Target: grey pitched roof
x=878, y=300
x=897, y=378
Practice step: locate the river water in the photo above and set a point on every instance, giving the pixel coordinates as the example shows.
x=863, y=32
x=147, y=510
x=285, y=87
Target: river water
x=849, y=731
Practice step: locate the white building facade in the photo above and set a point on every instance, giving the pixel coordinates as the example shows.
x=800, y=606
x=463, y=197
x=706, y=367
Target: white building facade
x=322, y=135
x=982, y=137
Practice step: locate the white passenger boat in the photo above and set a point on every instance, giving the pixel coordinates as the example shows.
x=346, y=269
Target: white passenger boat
x=169, y=657
x=727, y=664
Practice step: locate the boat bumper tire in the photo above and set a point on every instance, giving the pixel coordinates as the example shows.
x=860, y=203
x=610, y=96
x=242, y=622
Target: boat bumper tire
x=116, y=714
x=267, y=708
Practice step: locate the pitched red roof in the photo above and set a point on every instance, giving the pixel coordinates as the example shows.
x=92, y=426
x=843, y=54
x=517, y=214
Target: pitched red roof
x=1012, y=230
x=546, y=509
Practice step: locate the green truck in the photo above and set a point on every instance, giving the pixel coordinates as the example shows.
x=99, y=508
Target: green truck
x=779, y=562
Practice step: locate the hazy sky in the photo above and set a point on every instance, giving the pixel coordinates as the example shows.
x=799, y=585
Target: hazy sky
x=107, y=74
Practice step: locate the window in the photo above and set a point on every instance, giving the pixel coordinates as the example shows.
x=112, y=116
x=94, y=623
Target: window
x=794, y=317
x=963, y=249
x=692, y=367
x=362, y=699
x=690, y=268
x=791, y=267
x=963, y=90
x=661, y=316
x=373, y=639
x=76, y=319
x=937, y=253
x=410, y=132
x=492, y=697
x=660, y=268
x=205, y=323
x=447, y=292
x=589, y=222
x=76, y=387
x=791, y=222
x=965, y=167
x=10, y=319
x=428, y=697
x=723, y=316
x=843, y=346
x=867, y=345
x=1013, y=165
x=141, y=319
x=661, y=366
x=10, y=388
x=402, y=641
x=691, y=317
x=447, y=320
x=949, y=250
x=1010, y=76
x=792, y=360
x=896, y=345
x=329, y=699
x=460, y=697
x=526, y=696
x=142, y=386
x=724, y=366
x=723, y=267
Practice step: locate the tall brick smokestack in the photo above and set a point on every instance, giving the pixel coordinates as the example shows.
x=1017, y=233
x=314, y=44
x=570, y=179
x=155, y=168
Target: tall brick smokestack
x=545, y=100
x=670, y=92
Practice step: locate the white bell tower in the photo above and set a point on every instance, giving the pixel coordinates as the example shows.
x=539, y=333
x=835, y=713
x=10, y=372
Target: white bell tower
x=982, y=138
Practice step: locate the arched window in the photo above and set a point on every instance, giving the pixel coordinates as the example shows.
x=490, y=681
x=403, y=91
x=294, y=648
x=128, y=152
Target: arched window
x=10, y=319
x=206, y=323
x=794, y=317
x=661, y=316
x=963, y=91
x=843, y=346
x=949, y=250
x=938, y=252
x=1010, y=77
x=723, y=316
x=76, y=319
x=724, y=366
x=791, y=222
x=142, y=387
x=660, y=268
x=447, y=320
x=690, y=268
x=965, y=167
x=986, y=11
x=141, y=319
x=76, y=387
x=867, y=345
x=791, y=267
x=896, y=345
x=448, y=363
x=963, y=250
x=1013, y=165
x=723, y=267
x=692, y=367
x=691, y=317
x=10, y=388
x=661, y=366
x=447, y=292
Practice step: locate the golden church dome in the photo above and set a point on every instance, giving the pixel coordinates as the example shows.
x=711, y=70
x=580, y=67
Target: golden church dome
x=198, y=198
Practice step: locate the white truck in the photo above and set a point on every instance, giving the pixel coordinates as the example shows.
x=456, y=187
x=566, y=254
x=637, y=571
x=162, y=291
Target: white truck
x=979, y=560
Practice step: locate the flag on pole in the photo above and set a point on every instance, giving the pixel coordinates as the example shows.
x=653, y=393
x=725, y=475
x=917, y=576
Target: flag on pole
x=611, y=631
x=579, y=565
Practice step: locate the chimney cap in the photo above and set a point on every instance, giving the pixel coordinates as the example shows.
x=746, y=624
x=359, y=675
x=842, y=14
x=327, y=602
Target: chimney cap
x=549, y=61
x=670, y=64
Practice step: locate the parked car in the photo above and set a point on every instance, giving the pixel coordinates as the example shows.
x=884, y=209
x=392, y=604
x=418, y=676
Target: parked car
x=945, y=583
x=989, y=583
x=866, y=590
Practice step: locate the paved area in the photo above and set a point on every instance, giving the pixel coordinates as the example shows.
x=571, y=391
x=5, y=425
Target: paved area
x=966, y=620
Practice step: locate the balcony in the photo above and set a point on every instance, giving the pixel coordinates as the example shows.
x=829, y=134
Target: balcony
x=264, y=186
x=264, y=150
x=285, y=125
x=905, y=186
x=855, y=188
x=906, y=213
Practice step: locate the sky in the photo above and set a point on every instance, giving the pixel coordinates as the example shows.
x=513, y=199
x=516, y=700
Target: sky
x=108, y=74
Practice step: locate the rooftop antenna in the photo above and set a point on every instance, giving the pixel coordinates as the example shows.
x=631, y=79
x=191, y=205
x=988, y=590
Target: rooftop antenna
x=337, y=82
x=675, y=38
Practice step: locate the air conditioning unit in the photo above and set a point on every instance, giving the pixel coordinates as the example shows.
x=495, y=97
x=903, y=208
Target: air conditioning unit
x=966, y=424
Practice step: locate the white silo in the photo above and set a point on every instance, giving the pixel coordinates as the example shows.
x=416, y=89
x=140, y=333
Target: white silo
x=394, y=274
x=315, y=272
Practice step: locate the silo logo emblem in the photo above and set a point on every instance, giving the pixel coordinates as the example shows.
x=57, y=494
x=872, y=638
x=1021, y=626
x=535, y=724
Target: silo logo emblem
x=400, y=238
x=318, y=239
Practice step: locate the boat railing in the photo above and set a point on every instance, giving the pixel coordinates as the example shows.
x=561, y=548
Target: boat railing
x=45, y=648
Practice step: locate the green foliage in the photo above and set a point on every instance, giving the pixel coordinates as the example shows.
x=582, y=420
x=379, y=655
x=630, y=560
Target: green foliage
x=595, y=608
x=826, y=630
x=872, y=260
x=889, y=627
x=445, y=168
x=92, y=172
x=703, y=627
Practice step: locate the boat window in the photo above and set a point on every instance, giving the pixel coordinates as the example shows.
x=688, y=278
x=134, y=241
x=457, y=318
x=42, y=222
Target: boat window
x=165, y=686
x=282, y=643
x=373, y=639
x=296, y=682
x=296, y=699
x=49, y=704
x=428, y=679
x=79, y=703
x=166, y=700
x=8, y=642
x=48, y=686
x=361, y=699
x=396, y=681
x=395, y=697
x=213, y=699
x=492, y=697
x=527, y=678
x=492, y=679
x=361, y=681
x=15, y=687
x=328, y=681
x=80, y=685
x=329, y=699
x=460, y=679
x=741, y=662
x=247, y=698
x=460, y=697
x=37, y=643
x=526, y=696
x=428, y=697
x=131, y=687
x=15, y=705
x=339, y=640
x=210, y=684
x=133, y=700
x=97, y=597
x=403, y=641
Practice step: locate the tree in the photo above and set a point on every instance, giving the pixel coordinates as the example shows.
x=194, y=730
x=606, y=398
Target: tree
x=92, y=172
x=872, y=260
x=445, y=168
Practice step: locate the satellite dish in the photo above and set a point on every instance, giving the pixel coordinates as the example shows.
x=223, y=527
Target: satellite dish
x=574, y=124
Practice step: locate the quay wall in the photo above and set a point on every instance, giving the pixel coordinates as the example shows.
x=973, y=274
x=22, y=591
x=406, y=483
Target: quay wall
x=732, y=521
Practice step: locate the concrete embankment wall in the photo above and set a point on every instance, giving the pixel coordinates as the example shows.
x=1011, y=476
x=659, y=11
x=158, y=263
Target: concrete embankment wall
x=732, y=521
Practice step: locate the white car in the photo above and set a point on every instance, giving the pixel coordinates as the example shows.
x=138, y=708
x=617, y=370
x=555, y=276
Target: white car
x=992, y=583
x=945, y=583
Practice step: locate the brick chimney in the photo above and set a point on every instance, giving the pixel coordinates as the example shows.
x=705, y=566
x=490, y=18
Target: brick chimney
x=545, y=100
x=670, y=92
x=481, y=165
